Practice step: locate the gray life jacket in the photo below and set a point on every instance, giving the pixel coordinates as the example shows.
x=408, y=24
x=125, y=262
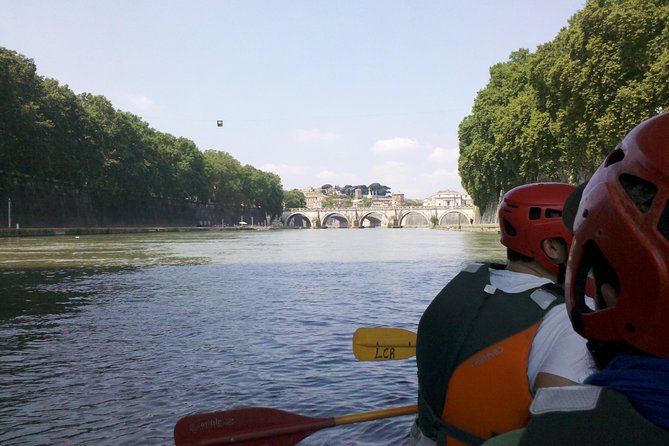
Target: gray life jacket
x=588, y=415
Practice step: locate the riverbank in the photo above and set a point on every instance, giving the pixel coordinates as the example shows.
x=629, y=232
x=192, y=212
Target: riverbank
x=39, y=232
x=471, y=228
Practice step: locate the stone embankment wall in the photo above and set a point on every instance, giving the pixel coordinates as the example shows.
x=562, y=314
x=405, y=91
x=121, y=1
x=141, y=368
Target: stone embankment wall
x=39, y=207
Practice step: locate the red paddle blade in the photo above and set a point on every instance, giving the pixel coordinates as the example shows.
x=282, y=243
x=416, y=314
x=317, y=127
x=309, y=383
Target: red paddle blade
x=253, y=426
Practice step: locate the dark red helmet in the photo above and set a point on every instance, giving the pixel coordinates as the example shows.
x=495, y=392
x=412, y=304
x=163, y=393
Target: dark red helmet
x=532, y=213
x=621, y=234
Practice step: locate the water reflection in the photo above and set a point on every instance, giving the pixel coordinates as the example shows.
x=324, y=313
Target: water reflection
x=37, y=293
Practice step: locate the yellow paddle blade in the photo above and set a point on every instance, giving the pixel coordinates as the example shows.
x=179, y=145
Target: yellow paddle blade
x=383, y=344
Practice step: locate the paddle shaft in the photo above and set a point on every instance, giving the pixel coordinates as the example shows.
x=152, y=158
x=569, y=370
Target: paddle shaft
x=376, y=415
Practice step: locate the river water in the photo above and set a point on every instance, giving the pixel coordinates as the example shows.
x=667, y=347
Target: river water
x=111, y=339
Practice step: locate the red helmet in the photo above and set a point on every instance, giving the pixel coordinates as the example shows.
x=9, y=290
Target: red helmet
x=532, y=213
x=621, y=234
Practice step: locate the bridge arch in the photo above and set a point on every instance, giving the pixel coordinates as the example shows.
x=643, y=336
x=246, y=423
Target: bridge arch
x=454, y=217
x=386, y=216
x=414, y=218
x=335, y=220
x=298, y=220
x=373, y=219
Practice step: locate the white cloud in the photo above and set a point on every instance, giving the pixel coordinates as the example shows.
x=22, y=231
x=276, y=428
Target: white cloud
x=416, y=181
x=444, y=156
x=393, y=173
x=442, y=174
x=395, y=145
x=335, y=177
x=142, y=103
x=390, y=168
x=315, y=135
x=446, y=179
x=282, y=169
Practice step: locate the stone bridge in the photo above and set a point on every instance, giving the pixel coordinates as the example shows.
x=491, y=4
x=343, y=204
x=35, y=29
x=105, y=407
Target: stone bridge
x=386, y=216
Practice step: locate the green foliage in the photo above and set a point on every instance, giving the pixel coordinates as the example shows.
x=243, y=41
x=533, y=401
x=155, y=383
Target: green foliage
x=262, y=190
x=348, y=190
x=364, y=190
x=54, y=139
x=294, y=199
x=378, y=189
x=413, y=203
x=553, y=115
x=223, y=178
x=331, y=202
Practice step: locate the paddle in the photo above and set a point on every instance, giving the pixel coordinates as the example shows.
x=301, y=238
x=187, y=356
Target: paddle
x=256, y=426
x=383, y=344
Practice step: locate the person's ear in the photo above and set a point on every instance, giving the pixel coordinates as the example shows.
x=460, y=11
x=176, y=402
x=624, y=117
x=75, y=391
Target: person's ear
x=609, y=294
x=554, y=250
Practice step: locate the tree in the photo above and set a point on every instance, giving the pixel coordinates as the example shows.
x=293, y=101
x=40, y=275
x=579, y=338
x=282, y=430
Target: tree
x=20, y=118
x=182, y=168
x=63, y=148
x=294, y=199
x=261, y=190
x=554, y=114
x=223, y=178
x=378, y=189
x=348, y=190
x=330, y=202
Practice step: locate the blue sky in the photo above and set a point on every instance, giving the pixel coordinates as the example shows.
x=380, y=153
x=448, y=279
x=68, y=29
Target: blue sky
x=339, y=92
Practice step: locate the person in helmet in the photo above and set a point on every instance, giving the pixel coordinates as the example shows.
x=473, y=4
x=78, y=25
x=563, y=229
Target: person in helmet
x=495, y=333
x=620, y=222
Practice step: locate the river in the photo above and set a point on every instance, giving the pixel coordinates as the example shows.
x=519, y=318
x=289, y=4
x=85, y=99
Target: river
x=111, y=339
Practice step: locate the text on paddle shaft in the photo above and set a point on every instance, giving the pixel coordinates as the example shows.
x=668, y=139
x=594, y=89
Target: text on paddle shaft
x=211, y=423
x=384, y=352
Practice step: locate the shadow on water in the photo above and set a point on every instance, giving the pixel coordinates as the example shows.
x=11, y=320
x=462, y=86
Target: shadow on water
x=47, y=292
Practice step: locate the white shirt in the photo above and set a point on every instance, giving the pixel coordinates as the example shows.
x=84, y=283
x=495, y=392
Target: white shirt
x=556, y=349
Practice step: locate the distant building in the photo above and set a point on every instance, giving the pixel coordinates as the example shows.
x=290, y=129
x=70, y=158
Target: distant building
x=313, y=197
x=448, y=198
x=397, y=199
x=381, y=201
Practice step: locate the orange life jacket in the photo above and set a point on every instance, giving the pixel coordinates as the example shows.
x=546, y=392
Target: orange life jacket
x=472, y=350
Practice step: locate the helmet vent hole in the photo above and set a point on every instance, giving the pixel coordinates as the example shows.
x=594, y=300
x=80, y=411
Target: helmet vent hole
x=508, y=228
x=616, y=156
x=663, y=224
x=640, y=191
x=553, y=213
x=535, y=213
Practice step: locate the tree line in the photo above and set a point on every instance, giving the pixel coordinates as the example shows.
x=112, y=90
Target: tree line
x=377, y=189
x=56, y=142
x=553, y=115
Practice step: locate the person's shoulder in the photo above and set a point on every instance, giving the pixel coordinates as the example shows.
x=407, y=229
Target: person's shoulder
x=515, y=282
